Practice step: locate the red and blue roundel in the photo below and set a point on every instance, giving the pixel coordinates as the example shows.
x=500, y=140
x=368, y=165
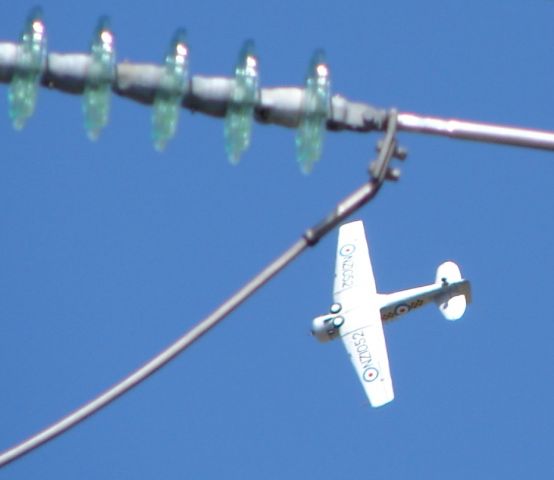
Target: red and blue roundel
x=370, y=374
x=347, y=249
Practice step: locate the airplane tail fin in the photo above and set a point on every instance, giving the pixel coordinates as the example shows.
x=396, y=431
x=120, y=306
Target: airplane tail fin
x=457, y=295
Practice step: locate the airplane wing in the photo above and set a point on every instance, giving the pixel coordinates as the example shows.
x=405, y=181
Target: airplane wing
x=362, y=330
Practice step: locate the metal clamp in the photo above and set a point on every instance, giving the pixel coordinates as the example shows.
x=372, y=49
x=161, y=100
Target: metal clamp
x=388, y=148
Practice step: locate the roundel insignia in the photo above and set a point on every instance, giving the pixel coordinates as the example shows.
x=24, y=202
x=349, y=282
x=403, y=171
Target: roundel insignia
x=370, y=374
x=347, y=249
x=400, y=309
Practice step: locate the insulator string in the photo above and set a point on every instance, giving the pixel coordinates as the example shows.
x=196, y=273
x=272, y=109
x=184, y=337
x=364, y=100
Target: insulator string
x=310, y=108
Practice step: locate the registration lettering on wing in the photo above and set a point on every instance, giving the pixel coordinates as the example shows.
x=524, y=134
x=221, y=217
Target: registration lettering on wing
x=361, y=350
x=346, y=255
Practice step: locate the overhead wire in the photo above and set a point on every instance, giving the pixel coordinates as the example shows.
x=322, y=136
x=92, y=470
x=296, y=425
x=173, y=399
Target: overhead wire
x=310, y=238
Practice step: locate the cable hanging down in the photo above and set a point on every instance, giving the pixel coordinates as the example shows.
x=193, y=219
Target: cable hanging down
x=379, y=172
x=239, y=99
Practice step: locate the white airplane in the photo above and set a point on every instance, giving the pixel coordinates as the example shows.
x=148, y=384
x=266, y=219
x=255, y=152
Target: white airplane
x=358, y=310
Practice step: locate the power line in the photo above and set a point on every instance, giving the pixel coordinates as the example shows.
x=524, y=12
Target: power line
x=380, y=172
x=155, y=363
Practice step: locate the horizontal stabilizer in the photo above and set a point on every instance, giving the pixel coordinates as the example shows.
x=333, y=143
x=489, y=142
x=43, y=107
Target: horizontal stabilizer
x=454, y=308
x=453, y=302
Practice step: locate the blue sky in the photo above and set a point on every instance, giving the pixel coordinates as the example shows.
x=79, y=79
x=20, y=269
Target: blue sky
x=111, y=250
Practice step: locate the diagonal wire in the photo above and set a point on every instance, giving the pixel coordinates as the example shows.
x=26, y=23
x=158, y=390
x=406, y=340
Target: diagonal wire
x=310, y=238
x=155, y=363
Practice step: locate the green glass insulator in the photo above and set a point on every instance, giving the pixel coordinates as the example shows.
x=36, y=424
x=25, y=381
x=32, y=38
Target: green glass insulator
x=172, y=88
x=316, y=106
x=22, y=94
x=240, y=111
x=100, y=75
